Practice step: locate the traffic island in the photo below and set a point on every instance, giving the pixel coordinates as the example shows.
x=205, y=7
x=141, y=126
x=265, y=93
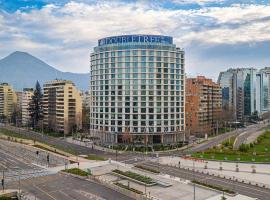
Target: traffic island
x=76, y=172
x=214, y=187
x=137, y=178
x=128, y=188
x=147, y=169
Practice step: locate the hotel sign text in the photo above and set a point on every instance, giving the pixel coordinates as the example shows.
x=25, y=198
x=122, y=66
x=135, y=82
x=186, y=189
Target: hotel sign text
x=136, y=38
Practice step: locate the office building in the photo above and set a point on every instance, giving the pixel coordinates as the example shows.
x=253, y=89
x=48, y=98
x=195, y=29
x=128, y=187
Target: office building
x=239, y=87
x=137, y=90
x=203, y=106
x=8, y=101
x=62, y=107
x=26, y=99
x=263, y=90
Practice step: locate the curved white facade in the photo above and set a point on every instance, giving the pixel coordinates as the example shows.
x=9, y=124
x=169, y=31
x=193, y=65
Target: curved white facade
x=137, y=89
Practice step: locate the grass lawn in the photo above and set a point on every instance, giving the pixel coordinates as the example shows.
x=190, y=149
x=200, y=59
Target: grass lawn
x=214, y=187
x=48, y=149
x=76, y=171
x=8, y=198
x=258, y=152
x=16, y=136
x=13, y=134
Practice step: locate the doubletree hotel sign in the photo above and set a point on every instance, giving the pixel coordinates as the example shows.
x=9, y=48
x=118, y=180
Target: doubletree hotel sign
x=136, y=39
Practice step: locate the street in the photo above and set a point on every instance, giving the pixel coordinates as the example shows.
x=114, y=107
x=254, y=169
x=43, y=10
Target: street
x=220, y=138
x=66, y=146
x=59, y=186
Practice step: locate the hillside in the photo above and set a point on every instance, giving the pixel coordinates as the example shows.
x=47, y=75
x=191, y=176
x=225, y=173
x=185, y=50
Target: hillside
x=21, y=70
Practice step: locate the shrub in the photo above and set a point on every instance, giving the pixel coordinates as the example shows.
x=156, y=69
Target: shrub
x=138, y=177
x=244, y=147
x=76, y=171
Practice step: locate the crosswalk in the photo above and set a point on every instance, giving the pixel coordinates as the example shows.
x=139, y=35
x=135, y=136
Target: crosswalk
x=12, y=176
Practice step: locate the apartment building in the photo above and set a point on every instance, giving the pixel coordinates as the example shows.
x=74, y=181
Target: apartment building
x=62, y=106
x=26, y=99
x=8, y=101
x=203, y=105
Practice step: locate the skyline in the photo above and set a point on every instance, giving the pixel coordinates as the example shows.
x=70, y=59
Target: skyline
x=216, y=34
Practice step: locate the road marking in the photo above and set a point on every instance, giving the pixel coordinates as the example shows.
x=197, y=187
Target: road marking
x=43, y=191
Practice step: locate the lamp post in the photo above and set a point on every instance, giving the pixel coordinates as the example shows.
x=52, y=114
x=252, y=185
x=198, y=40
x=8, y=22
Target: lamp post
x=194, y=186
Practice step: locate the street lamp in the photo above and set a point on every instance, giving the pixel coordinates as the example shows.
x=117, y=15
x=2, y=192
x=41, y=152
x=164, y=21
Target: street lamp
x=194, y=186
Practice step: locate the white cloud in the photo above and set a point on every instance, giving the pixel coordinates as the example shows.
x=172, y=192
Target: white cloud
x=65, y=35
x=200, y=2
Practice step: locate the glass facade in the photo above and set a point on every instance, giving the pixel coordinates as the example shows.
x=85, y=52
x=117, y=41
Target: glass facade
x=137, y=88
x=262, y=91
x=239, y=91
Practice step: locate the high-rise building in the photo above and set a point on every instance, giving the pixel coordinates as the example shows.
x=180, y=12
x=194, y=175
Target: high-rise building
x=62, y=106
x=263, y=91
x=203, y=105
x=26, y=99
x=227, y=81
x=8, y=101
x=137, y=89
x=239, y=86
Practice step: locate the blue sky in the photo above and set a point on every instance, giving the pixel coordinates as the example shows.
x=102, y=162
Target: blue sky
x=216, y=34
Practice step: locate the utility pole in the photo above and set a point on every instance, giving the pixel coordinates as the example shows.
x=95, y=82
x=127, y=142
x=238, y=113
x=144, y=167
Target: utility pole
x=194, y=186
x=19, y=185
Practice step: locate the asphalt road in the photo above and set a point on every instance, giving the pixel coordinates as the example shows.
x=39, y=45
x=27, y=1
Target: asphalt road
x=59, y=187
x=241, y=188
x=64, y=145
x=11, y=161
x=243, y=136
x=15, y=167
x=221, y=138
x=81, y=150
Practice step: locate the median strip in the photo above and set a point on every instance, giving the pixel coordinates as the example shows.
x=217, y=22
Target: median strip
x=144, y=180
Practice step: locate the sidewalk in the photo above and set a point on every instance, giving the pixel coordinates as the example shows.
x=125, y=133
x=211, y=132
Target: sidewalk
x=237, y=197
x=262, y=174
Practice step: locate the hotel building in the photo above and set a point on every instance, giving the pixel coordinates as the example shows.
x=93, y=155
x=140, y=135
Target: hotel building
x=137, y=90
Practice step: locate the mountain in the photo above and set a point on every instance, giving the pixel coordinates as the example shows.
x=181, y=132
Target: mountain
x=20, y=69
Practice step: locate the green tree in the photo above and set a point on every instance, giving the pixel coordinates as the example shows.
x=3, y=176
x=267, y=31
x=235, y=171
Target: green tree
x=35, y=107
